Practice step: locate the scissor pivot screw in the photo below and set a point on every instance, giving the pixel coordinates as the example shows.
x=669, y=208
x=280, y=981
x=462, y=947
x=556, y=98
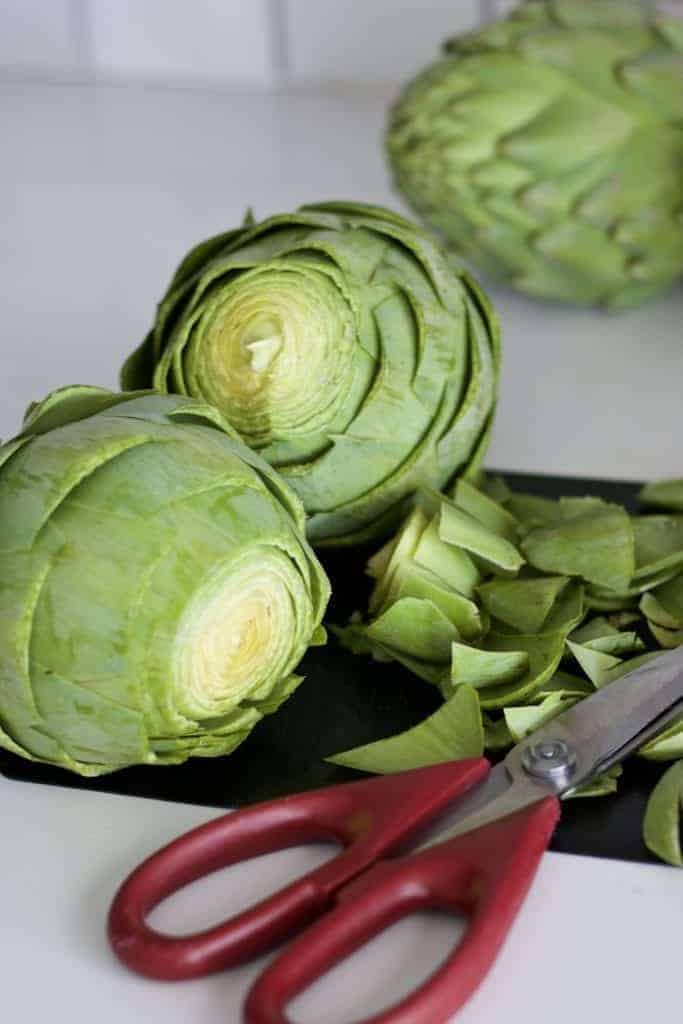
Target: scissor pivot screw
x=549, y=759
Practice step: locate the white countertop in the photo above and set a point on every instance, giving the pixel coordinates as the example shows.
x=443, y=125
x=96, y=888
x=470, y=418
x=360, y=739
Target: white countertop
x=101, y=191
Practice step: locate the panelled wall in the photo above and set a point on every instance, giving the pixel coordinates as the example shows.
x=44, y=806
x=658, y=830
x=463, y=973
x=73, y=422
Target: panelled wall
x=245, y=43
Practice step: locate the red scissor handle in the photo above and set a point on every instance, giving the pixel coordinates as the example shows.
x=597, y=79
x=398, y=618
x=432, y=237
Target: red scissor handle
x=369, y=818
x=485, y=873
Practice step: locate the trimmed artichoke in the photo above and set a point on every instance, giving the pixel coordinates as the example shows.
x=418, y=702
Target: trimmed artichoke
x=548, y=148
x=156, y=589
x=340, y=344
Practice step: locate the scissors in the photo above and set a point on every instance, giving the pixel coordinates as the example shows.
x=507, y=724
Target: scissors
x=489, y=829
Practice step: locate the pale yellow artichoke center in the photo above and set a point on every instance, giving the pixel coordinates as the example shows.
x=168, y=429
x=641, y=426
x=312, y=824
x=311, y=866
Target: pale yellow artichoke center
x=276, y=357
x=234, y=640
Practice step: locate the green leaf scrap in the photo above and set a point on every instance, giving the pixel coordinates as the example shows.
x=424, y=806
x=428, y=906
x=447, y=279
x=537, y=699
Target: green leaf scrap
x=597, y=545
x=454, y=731
x=666, y=494
x=481, y=668
x=667, y=745
x=522, y=721
x=662, y=822
x=524, y=604
x=462, y=530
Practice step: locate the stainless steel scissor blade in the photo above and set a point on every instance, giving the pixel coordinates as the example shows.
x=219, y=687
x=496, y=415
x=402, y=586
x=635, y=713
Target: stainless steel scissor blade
x=575, y=747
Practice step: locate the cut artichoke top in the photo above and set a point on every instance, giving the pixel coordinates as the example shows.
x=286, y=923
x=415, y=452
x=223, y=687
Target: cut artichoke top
x=341, y=345
x=548, y=147
x=156, y=587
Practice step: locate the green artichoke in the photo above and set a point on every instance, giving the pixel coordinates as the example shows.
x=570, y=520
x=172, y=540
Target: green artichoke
x=340, y=344
x=548, y=148
x=156, y=588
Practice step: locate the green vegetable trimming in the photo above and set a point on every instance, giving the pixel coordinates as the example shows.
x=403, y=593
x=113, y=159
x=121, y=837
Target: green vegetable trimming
x=527, y=605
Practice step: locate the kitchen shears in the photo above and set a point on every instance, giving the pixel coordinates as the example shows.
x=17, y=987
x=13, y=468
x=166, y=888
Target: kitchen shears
x=488, y=828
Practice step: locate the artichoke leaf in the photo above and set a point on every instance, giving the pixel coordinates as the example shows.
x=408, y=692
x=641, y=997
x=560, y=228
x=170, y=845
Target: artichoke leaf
x=522, y=721
x=412, y=581
x=603, y=785
x=532, y=511
x=597, y=545
x=480, y=668
x=665, y=494
x=658, y=545
x=66, y=404
x=664, y=605
x=667, y=745
x=667, y=638
x=564, y=615
x=354, y=638
x=595, y=663
x=606, y=600
x=663, y=817
x=545, y=653
x=497, y=736
x=415, y=627
x=453, y=732
x=496, y=488
x=385, y=563
x=483, y=508
x=599, y=635
x=450, y=562
x=462, y=530
x=567, y=612
x=565, y=685
x=629, y=665
x=523, y=604
x=595, y=629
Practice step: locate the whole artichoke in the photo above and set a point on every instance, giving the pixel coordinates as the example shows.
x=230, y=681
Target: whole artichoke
x=156, y=589
x=343, y=347
x=548, y=147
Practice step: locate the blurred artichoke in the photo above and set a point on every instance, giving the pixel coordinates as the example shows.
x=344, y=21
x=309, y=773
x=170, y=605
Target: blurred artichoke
x=548, y=148
x=340, y=344
x=156, y=589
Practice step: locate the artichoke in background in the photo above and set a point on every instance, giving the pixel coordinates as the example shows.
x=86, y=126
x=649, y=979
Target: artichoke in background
x=341, y=345
x=156, y=588
x=548, y=148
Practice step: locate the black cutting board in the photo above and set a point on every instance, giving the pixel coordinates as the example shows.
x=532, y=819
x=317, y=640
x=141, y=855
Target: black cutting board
x=348, y=700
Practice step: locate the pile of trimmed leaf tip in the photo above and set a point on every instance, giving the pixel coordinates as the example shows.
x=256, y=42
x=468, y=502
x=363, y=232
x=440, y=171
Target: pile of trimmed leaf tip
x=517, y=607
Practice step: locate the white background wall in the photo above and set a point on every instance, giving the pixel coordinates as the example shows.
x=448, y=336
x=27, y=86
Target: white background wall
x=257, y=43
x=246, y=43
